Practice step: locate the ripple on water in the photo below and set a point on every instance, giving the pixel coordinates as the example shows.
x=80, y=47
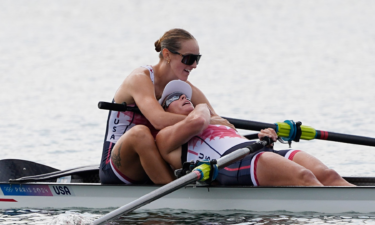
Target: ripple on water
x=174, y=216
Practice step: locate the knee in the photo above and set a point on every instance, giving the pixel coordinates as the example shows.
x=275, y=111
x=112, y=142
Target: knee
x=329, y=176
x=140, y=134
x=141, y=138
x=307, y=178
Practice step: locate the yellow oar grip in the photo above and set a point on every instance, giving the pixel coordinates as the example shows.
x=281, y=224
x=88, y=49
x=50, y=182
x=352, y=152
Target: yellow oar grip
x=283, y=129
x=308, y=133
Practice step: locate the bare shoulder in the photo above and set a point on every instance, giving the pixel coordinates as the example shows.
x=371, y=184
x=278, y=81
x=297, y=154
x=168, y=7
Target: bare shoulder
x=131, y=84
x=139, y=79
x=192, y=85
x=138, y=73
x=199, y=97
x=197, y=93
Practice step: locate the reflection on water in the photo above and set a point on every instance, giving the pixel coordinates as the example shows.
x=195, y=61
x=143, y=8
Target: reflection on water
x=173, y=216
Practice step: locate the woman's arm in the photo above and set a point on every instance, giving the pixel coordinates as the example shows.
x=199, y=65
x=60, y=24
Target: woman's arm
x=170, y=139
x=138, y=88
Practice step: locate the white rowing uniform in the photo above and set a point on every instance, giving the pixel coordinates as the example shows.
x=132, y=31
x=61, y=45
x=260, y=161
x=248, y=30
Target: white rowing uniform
x=213, y=142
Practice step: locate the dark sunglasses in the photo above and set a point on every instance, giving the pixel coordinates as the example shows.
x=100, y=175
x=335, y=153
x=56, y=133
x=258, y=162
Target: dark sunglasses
x=188, y=59
x=171, y=98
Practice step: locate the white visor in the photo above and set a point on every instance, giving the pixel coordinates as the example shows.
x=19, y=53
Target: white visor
x=176, y=86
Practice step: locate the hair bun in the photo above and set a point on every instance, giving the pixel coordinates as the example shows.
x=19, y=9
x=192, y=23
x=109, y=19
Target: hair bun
x=172, y=40
x=157, y=46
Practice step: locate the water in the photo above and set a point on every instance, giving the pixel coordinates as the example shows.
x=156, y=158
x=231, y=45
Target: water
x=310, y=61
x=173, y=216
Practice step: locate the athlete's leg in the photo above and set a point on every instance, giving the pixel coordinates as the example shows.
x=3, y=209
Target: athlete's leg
x=135, y=155
x=327, y=176
x=275, y=170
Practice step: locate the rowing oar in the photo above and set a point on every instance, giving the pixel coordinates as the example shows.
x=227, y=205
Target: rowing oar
x=200, y=173
x=287, y=129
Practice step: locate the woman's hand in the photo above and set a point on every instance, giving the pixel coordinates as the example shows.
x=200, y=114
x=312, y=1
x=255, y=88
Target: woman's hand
x=217, y=120
x=269, y=132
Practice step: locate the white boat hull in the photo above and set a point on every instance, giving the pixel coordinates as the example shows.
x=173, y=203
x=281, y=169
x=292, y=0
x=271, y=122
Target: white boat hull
x=294, y=199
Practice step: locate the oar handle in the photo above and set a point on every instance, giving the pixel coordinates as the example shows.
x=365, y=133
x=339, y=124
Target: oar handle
x=117, y=107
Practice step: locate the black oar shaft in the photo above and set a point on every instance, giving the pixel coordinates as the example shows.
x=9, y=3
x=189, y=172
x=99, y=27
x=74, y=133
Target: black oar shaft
x=346, y=138
x=250, y=125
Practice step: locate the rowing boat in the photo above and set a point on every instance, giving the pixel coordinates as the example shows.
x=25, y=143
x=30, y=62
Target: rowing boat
x=80, y=188
x=25, y=184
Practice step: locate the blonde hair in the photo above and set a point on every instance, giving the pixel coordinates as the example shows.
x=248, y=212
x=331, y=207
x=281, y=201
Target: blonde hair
x=171, y=40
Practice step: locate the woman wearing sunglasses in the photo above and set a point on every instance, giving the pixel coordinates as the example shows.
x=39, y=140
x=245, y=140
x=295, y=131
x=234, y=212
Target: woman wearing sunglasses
x=195, y=138
x=130, y=154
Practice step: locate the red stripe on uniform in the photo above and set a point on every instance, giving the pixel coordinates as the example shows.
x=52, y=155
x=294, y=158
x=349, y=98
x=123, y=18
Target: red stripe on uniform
x=255, y=167
x=121, y=174
x=109, y=152
x=7, y=200
x=291, y=156
x=235, y=169
x=192, y=152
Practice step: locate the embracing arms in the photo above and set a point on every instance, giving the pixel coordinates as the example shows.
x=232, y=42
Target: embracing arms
x=170, y=139
x=138, y=88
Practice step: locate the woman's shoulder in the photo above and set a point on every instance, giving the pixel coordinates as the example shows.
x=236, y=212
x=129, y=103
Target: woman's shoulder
x=137, y=75
x=194, y=88
x=140, y=71
x=131, y=85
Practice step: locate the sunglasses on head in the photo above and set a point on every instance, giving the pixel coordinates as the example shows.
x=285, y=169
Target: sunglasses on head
x=188, y=59
x=171, y=98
